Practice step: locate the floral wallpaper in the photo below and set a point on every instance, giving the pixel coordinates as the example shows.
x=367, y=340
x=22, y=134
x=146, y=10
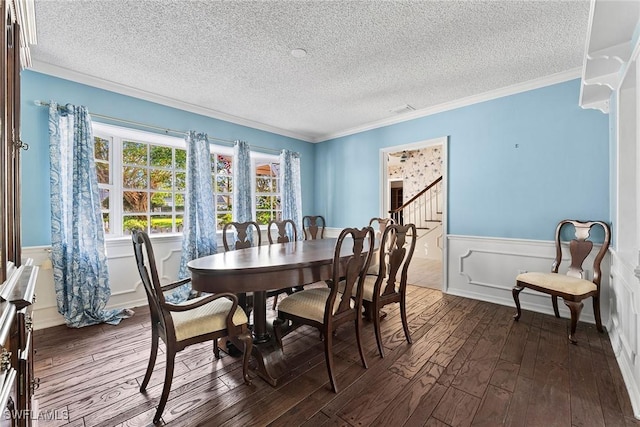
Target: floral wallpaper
x=420, y=169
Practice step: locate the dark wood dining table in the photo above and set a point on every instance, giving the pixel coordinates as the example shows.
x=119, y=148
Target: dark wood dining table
x=258, y=270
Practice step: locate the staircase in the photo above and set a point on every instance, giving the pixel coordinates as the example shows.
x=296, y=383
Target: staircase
x=425, y=211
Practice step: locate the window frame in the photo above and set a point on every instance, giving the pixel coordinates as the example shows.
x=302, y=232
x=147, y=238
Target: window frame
x=117, y=134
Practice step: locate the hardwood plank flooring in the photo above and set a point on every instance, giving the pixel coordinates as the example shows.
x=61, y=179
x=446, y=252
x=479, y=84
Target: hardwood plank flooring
x=469, y=364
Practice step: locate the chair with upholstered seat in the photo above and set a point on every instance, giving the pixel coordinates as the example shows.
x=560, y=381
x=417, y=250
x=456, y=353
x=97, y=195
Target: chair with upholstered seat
x=572, y=287
x=389, y=286
x=286, y=232
x=327, y=308
x=312, y=225
x=378, y=225
x=205, y=318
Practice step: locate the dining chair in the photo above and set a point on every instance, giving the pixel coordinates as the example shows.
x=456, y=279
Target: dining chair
x=326, y=308
x=201, y=319
x=286, y=229
x=244, y=235
x=572, y=287
x=287, y=232
x=311, y=225
x=379, y=225
x=389, y=285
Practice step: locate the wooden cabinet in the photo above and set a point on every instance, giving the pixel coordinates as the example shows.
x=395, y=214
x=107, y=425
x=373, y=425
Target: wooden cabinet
x=17, y=277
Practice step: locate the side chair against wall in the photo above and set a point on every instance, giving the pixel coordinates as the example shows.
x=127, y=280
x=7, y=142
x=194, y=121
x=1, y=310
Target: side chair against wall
x=311, y=225
x=389, y=286
x=281, y=237
x=572, y=287
x=329, y=308
x=205, y=318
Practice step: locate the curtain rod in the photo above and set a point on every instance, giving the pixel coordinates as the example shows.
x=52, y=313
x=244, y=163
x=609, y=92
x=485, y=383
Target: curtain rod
x=165, y=130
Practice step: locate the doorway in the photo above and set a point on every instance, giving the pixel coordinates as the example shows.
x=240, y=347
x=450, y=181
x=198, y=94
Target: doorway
x=406, y=170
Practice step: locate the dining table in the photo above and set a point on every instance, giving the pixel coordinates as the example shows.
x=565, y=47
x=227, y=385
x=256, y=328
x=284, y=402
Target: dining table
x=260, y=269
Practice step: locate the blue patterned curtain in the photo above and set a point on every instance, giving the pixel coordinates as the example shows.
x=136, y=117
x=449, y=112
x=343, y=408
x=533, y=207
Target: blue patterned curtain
x=199, y=233
x=77, y=235
x=291, y=188
x=242, y=210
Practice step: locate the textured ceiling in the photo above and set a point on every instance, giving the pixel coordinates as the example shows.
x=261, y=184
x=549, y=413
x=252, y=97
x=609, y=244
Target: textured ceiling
x=364, y=59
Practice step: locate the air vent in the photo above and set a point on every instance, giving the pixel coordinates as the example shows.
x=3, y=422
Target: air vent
x=402, y=109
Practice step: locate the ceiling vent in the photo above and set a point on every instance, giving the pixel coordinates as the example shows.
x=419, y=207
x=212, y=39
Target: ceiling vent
x=402, y=109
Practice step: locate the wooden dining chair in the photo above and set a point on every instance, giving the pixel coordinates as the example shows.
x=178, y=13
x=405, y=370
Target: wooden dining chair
x=378, y=225
x=389, y=285
x=286, y=229
x=286, y=232
x=572, y=287
x=205, y=318
x=326, y=308
x=241, y=235
x=311, y=225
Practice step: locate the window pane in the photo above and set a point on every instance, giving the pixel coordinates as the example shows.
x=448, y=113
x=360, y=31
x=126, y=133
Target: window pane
x=263, y=217
x=223, y=184
x=102, y=170
x=134, y=177
x=223, y=218
x=105, y=222
x=223, y=203
x=135, y=201
x=276, y=203
x=134, y=153
x=138, y=222
x=179, y=221
x=161, y=156
x=160, y=179
x=276, y=184
x=263, y=185
x=179, y=202
x=181, y=159
x=264, y=169
x=263, y=202
x=223, y=165
x=161, y=224
x=161, y=202
x=101, y=148
x=181, y=181
x=104, y=198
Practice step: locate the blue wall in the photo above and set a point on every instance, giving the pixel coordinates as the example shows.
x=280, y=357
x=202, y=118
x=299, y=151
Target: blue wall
x=559, y=170
x=36, y=214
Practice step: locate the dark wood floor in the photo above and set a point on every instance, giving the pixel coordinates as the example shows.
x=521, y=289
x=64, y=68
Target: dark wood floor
x=470, y=364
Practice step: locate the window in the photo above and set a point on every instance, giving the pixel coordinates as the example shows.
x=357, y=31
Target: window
x=267, y=190
x=142, y=181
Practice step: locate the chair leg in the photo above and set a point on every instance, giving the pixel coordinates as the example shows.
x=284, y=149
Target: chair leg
x=596, y=313
x=166, y=388
x=516, y=298
x=247, y=340
x=216, y=348
x=152, y=359
x=376, y=328
x=576, y=308
x=277, y=331
x=403, y=315
x=359, y=339
x=554, y=301
x=328, y=357
x=275, y=302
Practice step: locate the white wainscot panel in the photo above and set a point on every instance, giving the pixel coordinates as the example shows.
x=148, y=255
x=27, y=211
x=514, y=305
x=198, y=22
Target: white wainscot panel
x=126, y=288
x=486, y=269
x=624, y=325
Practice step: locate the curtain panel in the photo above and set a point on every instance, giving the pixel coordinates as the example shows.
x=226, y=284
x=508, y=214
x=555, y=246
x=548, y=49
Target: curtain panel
x=291, y=187
x=77, y=235
x=199, y=231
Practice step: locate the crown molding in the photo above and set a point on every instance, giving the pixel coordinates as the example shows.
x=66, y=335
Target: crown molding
x=65, y=73
x=462, y=102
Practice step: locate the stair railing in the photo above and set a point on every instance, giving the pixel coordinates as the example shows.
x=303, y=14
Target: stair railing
x=423, y=209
